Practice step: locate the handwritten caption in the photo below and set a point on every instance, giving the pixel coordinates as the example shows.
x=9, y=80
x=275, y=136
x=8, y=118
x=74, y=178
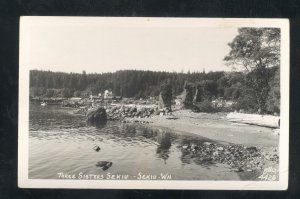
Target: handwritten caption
x=110, y=176
x=269, y=174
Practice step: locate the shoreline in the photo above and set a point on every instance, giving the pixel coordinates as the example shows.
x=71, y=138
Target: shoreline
x=248, y=161
x=212, y=126
x=234, y=139
x=227, y=135
x=247, y=149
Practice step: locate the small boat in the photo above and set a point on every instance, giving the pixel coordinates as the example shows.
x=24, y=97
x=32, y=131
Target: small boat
x=43, y=104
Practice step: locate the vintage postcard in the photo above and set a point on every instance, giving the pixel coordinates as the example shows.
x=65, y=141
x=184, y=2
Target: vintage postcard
x=153, y=103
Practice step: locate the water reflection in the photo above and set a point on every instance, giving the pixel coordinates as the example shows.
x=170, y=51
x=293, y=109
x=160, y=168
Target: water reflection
x=164, y=140
x=70, y=142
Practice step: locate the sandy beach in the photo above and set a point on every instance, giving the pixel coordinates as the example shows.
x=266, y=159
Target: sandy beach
x=213, y=126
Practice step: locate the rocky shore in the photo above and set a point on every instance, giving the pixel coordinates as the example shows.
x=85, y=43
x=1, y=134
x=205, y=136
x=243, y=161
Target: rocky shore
x=240, y=158
x=244, y=148
x=120, y=113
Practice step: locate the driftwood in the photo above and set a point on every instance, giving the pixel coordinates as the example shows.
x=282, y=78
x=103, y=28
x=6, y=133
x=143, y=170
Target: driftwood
x=259, y=120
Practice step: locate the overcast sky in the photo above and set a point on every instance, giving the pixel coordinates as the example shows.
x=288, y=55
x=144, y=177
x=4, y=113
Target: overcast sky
x=101, y=45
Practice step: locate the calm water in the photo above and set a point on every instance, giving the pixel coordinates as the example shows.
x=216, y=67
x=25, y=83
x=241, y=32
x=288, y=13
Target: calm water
x=61, y=142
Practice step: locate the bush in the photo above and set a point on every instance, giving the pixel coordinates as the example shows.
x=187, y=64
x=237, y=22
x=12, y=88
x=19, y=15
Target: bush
x=205, y=106
x=246, y=104
x=224, y=109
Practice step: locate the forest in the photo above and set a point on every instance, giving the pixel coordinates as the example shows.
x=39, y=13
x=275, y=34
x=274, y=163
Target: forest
x=142, y=84
x=255, y=88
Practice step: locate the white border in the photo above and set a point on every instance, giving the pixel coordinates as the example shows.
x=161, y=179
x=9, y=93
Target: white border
x=23, y=140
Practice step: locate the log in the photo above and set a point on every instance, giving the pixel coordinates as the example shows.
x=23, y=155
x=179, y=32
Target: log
x=255, y=119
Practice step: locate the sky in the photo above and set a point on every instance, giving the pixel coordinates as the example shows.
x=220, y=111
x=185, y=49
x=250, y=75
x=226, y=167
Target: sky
x=99, y=45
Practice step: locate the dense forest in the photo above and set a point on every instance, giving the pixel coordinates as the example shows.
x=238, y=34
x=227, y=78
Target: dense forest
x=143, y=84
x=256, y=89
x=127, y=83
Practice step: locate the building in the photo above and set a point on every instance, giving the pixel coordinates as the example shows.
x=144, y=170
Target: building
x=108, y=94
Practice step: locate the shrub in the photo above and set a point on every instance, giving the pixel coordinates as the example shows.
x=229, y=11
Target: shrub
x=204, y=106
x=246, y=104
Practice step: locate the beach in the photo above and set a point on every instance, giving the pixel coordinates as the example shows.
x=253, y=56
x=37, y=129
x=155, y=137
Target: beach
x=216, y=126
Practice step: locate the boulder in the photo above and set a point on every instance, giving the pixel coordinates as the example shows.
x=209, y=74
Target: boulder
x=133, y=110
x=113, y=109
x=101, y=163
x=104, y=165
x=97, y=116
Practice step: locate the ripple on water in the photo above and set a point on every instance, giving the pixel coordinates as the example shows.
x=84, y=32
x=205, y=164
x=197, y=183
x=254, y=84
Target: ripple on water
x=62, y=142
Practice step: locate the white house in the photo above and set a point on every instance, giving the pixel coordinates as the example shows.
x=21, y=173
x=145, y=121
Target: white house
x=178, y=102
x=107, y=94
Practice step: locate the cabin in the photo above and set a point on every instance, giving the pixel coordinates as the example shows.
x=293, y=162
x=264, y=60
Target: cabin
x=178, y=102
x=108, y=94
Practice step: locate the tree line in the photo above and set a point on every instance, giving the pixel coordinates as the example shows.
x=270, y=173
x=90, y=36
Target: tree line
x=255, y=89
x=143, y=84
x=126, y=83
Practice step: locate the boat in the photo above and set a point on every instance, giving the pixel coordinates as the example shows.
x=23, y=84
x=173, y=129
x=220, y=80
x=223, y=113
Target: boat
x=43, y=104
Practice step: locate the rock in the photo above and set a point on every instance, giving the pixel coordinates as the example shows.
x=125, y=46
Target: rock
x=196, y=147
x=207, y=143
x=220, y=148
x=101, y=163
x=97, y=116
x=97, y=148
x=113, y=109
x=104, y=164
x=252, y=149
x=240, y=169
x=107, y=166
x=133, y=109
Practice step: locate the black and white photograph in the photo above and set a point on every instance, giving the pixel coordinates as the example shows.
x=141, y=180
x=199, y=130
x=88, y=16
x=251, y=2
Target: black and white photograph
x=153, y=103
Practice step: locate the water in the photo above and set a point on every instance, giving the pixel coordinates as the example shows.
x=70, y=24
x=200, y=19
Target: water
x=61, y=145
